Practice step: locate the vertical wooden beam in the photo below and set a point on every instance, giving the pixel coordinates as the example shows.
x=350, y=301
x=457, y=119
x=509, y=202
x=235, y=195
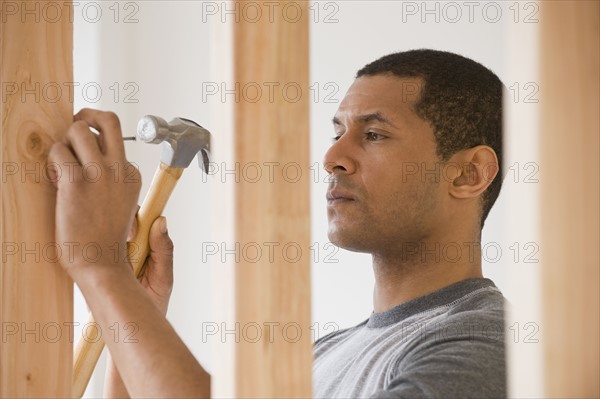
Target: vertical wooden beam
x=36, y=41
x=274, y=129
x=569, y=126
x=269, y=143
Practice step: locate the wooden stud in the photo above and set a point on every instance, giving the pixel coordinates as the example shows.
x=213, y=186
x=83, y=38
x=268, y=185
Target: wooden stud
x=569, y=149
x=36, y=308
x=269, y=146
x=274, y=211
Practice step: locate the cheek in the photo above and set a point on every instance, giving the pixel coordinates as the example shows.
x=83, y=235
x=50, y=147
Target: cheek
x=383, y=182
x=399, y=195
x=400, y=178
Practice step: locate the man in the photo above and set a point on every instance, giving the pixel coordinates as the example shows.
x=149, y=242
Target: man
x=415, y=169
x=415, y=173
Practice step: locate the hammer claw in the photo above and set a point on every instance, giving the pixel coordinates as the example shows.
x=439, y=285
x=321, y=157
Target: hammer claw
x=181, y=139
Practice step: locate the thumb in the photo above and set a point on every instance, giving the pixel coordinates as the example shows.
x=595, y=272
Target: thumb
x=161, y=245
x=158, y=270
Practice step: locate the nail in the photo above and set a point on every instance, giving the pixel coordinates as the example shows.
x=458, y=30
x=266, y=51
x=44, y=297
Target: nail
x=163, y=225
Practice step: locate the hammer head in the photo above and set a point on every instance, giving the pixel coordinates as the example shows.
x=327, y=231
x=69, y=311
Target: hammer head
x=182, y=139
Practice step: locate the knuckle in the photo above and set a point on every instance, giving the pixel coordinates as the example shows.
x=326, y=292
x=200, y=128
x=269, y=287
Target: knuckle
x=169, y=246
x=111, y=120
x=76, y=127
x=81, y=112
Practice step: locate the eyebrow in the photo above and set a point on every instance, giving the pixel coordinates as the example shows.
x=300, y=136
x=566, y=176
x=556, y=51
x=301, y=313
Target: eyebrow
x=375, y=116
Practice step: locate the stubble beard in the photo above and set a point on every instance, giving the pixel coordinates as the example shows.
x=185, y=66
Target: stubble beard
x=390, y=232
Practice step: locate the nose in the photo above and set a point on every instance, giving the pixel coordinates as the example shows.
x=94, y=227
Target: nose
x=338, y=158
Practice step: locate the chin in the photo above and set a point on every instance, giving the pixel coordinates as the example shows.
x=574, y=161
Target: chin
x=347, y=239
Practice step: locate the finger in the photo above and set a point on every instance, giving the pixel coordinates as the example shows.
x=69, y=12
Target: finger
x=84, y=143
x=134, y=225
x=107, y=123
x=62, y=164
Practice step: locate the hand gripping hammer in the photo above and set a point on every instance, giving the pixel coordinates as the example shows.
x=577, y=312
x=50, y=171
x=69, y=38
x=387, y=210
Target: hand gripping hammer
x=181, y=140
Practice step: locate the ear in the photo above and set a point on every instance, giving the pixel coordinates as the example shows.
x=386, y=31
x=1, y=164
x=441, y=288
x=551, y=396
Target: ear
x=470, y=172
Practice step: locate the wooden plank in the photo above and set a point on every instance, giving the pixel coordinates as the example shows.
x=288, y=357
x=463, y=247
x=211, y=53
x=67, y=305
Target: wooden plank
x=273, y=210
x=36, y=295
x=569, y=126
x=269, y=148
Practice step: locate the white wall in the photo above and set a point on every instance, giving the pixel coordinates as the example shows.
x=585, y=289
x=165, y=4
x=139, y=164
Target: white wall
x=164, y=55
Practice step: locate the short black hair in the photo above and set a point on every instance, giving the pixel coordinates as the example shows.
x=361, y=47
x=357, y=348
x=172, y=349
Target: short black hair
x=461, y=99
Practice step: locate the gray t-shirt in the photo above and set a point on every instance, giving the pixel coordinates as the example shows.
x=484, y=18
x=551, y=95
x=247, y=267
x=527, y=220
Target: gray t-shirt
x=447, y=344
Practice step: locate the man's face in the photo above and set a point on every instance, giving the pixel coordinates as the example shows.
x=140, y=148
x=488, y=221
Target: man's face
x=380, y=194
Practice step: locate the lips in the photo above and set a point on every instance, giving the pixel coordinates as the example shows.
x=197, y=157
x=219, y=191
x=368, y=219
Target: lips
x=338, y=196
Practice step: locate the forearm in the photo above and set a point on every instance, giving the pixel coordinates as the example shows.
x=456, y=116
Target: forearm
x=157, y=363
x=113, y=384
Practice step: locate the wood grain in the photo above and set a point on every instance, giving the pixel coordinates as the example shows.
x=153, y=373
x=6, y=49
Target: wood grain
x=36, y=295
x=268, y=349
x=570, y=130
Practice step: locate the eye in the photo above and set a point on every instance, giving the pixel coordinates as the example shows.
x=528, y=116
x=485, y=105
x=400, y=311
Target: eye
x=372, y=136
x=336, y=137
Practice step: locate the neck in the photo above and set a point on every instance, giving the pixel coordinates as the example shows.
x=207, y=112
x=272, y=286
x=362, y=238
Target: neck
x=422, y=268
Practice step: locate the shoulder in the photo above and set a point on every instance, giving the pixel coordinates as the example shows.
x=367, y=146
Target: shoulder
x=460, y=352
x=472, y=326
x=482, y=310
x=338, y=335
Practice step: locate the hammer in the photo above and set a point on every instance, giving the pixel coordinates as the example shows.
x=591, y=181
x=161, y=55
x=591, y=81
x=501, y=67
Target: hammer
x=181, y=140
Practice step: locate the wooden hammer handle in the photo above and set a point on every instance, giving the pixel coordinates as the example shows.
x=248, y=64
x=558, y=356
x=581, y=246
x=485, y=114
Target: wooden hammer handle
x=87, y=352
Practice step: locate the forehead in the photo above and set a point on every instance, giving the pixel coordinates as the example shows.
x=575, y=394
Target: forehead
x=388, y=95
